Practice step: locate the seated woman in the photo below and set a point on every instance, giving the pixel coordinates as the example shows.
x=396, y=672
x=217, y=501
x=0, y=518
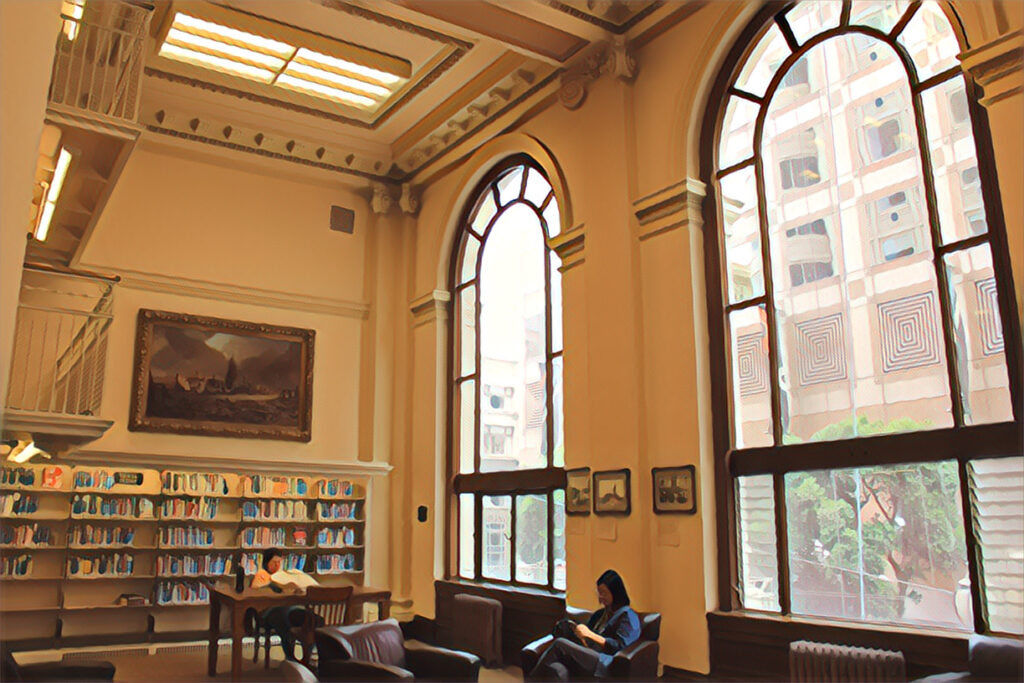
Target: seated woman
x=278, y=619
x=608, y=630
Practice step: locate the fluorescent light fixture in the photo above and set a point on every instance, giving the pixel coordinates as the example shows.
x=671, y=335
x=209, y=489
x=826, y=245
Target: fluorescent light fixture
x=29, y=451
x=53, y=194
x=189, y=41
x=216, y=63
x=305, y=54
x=324, y=91
x=246, y=39
x=344, y=81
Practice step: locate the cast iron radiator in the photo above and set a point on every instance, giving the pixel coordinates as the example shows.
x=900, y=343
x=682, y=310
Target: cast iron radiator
x=809, y=661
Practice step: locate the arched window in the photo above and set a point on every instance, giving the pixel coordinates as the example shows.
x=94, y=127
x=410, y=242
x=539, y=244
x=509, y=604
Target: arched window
x=864, y=340
x=508, y=477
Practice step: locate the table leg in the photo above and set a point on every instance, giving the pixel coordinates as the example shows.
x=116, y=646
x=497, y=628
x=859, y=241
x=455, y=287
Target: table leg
x=211, y=655
x=237, y=631
x=383, y=609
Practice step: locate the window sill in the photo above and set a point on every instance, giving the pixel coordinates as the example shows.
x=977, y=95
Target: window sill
x=507, y=588
x=842, y=624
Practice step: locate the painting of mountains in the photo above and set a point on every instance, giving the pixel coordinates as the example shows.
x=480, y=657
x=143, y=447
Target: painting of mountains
x=198, y=375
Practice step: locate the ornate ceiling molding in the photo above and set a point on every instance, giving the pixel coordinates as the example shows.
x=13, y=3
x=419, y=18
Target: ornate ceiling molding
x=612, y=57
x=609, y=7
x=392, y=22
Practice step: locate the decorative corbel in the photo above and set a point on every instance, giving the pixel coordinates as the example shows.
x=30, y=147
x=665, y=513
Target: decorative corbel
x=381, y=202
x=409, y=202
x=619, y=60
x=614, y=58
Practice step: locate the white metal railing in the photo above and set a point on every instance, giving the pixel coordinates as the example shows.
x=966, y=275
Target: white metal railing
x=60, y=342
x=99, y=58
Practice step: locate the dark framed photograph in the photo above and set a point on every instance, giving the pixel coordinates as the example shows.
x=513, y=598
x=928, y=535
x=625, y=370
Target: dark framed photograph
x=214, y=377
x=675, y=489
x=611, y=492
x=577, y=491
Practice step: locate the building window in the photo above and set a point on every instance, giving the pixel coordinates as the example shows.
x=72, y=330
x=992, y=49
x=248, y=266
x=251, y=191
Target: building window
x=911, y=355
x=506, y=398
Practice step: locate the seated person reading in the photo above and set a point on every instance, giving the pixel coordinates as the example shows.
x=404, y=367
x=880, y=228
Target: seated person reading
x=587, y=651
x=280, y=619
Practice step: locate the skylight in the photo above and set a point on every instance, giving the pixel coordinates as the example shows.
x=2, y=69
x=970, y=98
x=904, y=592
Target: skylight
x=259, y=50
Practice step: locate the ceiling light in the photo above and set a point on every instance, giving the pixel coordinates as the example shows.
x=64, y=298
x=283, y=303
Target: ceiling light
x=343, y=81
x=324, y=91
x=216, y=63
x=224, y=50
x=316, y=58
x=249, y=40
x=53, y=194
x=26, y=452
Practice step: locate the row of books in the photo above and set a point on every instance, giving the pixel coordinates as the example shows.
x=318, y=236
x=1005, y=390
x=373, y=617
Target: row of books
x=334, y=487
x=182, y=593
x=93, y=504
x=25, y=535
x=15, y=565
x=185, y=537
x=220, y=564
x=270, y=486
x=252, y=562
x=335, y=537
x=195, y=483
x=53, y=477
x=275, y=510
x=112, y=564
x=333, y=511
x=18, y=504
x=95, y=479
x=189, y=508
x=98, y=535
x=263, y=537
x=335, y=563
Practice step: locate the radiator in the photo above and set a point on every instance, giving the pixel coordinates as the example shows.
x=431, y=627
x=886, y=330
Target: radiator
x=811, y=662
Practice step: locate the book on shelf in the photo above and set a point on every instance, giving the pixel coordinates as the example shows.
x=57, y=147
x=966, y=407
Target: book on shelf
x=131, y=599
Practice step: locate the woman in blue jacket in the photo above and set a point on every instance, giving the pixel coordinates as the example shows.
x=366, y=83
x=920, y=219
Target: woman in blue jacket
x=609, y=629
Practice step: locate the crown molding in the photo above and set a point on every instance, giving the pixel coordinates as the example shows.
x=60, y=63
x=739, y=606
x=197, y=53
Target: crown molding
x=204, y=289
x=192, y=462
x=997, y=67
x=676, y=206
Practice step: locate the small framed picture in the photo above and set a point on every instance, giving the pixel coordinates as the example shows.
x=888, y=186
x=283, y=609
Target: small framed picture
x=577, y=491
x=611, y=492
x=675, y=489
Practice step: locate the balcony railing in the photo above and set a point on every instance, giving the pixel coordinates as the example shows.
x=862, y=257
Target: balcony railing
x=60, y=342
x=99, y=58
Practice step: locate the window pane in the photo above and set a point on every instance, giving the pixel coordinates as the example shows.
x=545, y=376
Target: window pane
x=835, y=281
x=751, y=386
x=762, y=64
x=737, y=141
x=978, y=329
x=497, y=547
x=759, y=568
x=954, y=161
x=742, y=235
x=559, y=542
x=808, y=19
x=882, y=544
x=556, y=303
x=513, y=356
x=537, y=187
x=558, y=418
x=467, y=562
x=510, y=185
x=930, y=41
x=880, y=15
x=466, y=420
x=532, y=538
x=471, y=246
x=484, y=213
x=997, y=499
x=552, y=219
x=467, y=331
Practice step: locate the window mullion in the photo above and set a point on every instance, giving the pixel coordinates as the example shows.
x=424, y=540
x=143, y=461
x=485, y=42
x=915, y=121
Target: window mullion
x=514, y=508
x=781, y=542
x=974, y=558
x=551, y=539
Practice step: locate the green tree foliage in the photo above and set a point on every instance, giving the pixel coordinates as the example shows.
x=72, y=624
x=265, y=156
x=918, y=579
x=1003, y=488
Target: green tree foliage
x=910, y=528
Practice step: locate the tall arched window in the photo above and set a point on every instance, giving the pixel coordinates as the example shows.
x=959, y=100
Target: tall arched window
x=865, y=345
x=508, y=457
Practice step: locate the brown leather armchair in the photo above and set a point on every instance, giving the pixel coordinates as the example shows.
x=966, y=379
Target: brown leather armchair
x=638, y=662
x=377, y=651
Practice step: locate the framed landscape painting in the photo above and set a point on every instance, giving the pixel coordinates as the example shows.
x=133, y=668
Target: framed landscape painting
x=675, y=489
x=214, y=377
x=577, y=491
x=611, y=492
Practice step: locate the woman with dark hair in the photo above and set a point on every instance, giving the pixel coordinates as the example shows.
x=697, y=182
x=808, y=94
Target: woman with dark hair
x=609, y=629
x=278, y=619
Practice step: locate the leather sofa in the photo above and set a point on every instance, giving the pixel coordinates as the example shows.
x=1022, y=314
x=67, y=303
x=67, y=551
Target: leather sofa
x=638, y=662
x=988, y=659
x=377, y=651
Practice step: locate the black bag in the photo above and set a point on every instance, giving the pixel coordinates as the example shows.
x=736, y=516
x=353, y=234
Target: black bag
x=566, y=628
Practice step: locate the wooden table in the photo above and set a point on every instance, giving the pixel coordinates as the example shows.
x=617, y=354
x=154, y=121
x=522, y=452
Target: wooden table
x=262, y=598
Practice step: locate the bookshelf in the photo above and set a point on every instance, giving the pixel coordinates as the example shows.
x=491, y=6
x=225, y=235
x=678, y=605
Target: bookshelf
x=73, y=539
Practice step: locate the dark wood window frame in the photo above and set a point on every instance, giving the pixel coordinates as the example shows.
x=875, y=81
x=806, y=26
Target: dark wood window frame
x=540, y=481
x=961, y=442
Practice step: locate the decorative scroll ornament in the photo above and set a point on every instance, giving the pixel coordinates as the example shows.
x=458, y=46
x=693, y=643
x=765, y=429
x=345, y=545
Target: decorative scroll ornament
x=382, y=201
x=614, y=58
x=409, y=202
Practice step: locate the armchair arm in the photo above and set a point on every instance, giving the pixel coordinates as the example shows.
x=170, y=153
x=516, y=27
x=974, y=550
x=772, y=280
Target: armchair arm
x=639, y=661
x=357, y=670
x=531, y=652
x=57, y=671
x=439, y=663
x=329, y=646
x=577, y=614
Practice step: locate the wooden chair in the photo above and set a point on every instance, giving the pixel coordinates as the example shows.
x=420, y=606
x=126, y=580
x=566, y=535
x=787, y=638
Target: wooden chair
x=325, y=606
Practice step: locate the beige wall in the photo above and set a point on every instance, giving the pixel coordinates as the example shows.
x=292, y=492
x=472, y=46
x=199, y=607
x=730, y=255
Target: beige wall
x=28, y=30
